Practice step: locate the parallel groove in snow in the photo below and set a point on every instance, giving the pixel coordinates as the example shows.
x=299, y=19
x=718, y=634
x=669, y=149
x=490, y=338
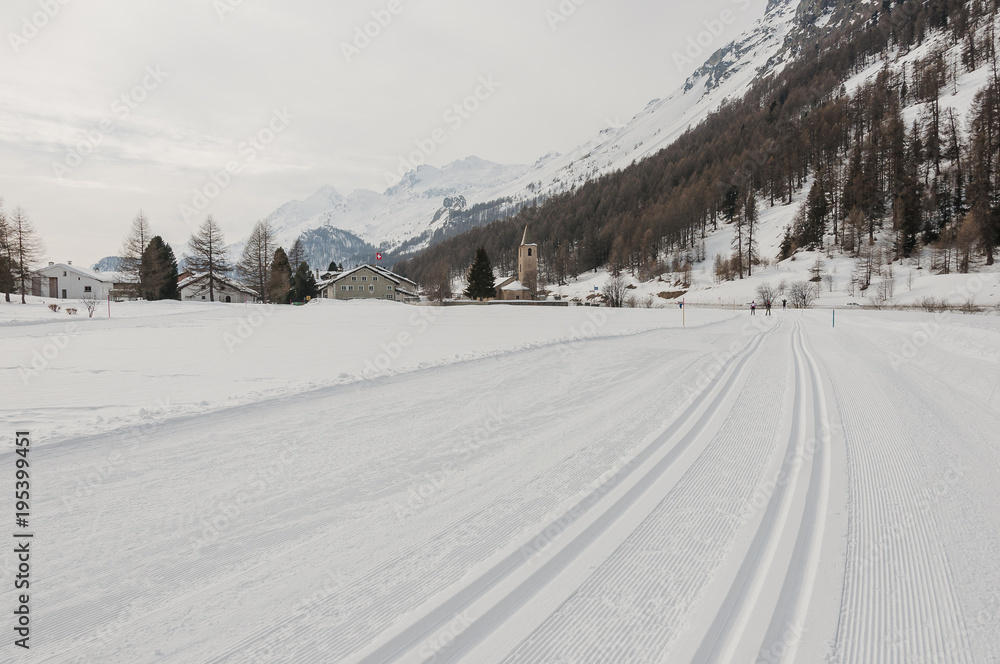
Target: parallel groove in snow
x=899, y=600
x=637, y=602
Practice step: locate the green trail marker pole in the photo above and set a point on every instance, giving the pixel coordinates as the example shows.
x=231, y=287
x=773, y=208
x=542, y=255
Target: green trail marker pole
x=835, y=318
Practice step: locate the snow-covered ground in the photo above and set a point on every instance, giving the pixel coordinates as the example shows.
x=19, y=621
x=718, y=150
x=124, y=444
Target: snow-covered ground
x=515, y=485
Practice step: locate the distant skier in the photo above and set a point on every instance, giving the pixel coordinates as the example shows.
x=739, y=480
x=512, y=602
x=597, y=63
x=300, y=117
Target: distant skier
x=784, y=304
x=767, y=307
x=753, y=308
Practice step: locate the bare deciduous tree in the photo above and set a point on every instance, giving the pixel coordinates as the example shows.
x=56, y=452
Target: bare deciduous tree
x=254, y=266
x=133, y=247
x=90, y=304
x=25, y=250
x=802, y=294
x=615, y=289
x=208, y=253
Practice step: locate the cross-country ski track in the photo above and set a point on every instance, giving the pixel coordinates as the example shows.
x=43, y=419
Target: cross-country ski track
x=765, y=489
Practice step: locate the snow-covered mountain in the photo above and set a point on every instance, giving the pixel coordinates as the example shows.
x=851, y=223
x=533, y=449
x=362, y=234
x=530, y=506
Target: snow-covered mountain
x=429, y=200
x=417, y=206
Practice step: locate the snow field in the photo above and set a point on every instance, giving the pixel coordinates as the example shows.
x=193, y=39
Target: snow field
x=767, y=490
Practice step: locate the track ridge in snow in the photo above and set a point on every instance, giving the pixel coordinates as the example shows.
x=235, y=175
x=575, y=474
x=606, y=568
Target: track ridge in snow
x=767, y=562
x=493, y=595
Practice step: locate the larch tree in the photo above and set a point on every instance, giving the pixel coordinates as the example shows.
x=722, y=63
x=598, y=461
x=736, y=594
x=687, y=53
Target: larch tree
x=26, y=249
x=751, y=217
x=133, y=248
x=208, y=253
x=296, y=255
x=254, y=266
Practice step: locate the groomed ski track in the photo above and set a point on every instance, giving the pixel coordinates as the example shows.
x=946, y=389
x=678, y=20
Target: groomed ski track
x=754, y=490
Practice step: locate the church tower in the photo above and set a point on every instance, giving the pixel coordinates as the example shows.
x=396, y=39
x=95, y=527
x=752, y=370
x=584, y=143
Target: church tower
x=527, y=263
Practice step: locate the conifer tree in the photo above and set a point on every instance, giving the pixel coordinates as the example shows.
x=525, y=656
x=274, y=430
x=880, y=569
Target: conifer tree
x=303, y=284
x=482, y=283
x=159, y=271
x=280, y=282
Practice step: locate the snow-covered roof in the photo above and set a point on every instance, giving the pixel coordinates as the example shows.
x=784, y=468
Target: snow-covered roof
x=392, y=276
x=515, y=286
x=193, y=279
x=103, y=277
x=499, y=282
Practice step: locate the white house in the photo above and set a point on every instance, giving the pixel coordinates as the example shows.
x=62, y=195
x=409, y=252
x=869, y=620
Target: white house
x=66, y=281
x=195, y=288
x=368, y=282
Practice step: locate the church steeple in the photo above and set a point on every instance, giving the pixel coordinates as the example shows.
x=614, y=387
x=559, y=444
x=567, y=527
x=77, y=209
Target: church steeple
x=527, y=262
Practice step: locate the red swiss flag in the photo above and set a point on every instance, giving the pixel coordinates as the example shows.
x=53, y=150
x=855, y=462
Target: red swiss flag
x=378, y=256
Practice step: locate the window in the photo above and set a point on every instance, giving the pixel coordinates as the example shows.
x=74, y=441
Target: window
x=64, y=273
x=389, y=288
x=374, y=278
x=371, y=289
x=343, y=288
x=529, y=251
x=350, y=288
x=389, y=297
x=86, y=289
x=364, y=278
x=354, y=278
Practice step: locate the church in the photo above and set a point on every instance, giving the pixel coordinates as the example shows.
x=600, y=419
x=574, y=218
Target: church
x=525, y=285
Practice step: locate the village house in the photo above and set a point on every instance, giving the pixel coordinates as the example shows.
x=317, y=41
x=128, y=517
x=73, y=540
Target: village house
x=195, y=288
x=368, y=282
x=65, y=281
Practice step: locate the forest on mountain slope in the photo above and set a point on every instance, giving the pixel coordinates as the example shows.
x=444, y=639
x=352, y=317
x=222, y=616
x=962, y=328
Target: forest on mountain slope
x=932, y=183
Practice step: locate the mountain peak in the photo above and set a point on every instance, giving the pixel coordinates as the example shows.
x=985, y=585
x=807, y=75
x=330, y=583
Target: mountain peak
x=326, y=193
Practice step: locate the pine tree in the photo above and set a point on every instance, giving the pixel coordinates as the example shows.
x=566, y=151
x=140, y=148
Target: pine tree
x=159, y=271
x=303, y=284
x=482, y=283
x=254, y=266
x=26, y=249
x=280, y=282
x=209, y=253
x=133, y=248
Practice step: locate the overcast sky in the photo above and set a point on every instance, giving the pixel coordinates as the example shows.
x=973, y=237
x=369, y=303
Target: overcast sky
x=116, y=105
